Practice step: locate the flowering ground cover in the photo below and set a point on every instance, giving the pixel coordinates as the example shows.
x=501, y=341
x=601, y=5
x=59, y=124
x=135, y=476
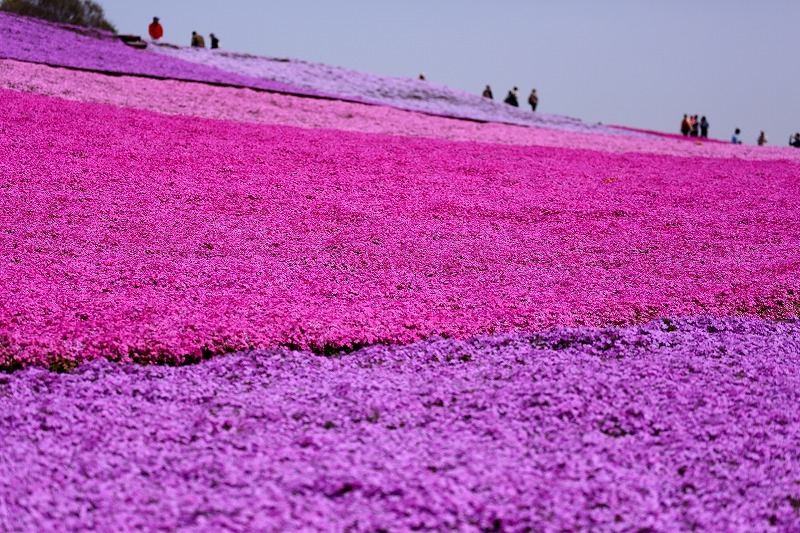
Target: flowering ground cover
x=402, y=93
x=38, y=41
x=676, y=425
x=191, y=99
x=138, y=236
x=393, y=314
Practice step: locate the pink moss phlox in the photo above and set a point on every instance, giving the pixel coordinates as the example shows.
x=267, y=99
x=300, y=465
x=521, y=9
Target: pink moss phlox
x=139, y=236
x=243, y=105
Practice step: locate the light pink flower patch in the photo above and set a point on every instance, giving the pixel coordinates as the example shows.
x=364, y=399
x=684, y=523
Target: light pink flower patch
x=135, y=235
x=243, y=105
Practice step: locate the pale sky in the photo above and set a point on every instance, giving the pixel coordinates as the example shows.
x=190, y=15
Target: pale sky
x=639, y=63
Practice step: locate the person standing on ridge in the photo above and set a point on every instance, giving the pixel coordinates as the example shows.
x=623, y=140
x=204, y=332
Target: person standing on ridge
x=735, y=138
x=762, y=139
x=533, y=99
x=511, y=98
x=197, y=40
x=155, y=30
x=695, y=126
x=704, y=127
x=796, y=141
x=487, y=93
x=214, y=42
x=686, y=126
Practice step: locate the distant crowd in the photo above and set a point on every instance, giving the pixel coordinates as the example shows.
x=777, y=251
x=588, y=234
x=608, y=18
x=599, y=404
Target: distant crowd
x=691, y=126
x=512, y=98
x=157, y=32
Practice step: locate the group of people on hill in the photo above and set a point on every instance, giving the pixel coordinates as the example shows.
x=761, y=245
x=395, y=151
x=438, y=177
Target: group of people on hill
x=199, y=42
x=762, y=138
x=691, y=126
x=512, y=98
x=794, y=140
x=156, y=32
x=736, y=139
x=761, y=141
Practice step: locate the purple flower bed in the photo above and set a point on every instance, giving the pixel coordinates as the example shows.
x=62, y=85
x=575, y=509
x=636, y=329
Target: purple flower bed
x=688, y=424
x=38, y=41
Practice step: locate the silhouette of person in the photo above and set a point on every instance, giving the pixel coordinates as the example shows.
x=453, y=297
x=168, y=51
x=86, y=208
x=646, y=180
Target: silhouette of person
x=214, y=41
x=422, y=76
x=686, y=126
x=735, y=138
x=197, y=40
x=155, y=30
x=533, y=99
x=511, y=98
x=704, y=127
x=762, y=139
x=695, y=126
x=796, y=141
x=487, y=92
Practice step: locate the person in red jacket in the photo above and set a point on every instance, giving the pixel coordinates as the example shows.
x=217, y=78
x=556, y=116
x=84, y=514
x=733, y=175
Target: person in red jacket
x=155, y=29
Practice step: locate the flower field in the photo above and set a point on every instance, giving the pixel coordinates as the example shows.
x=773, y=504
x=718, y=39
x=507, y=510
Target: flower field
x=403, y=93
x=248, y=309
x=670, y=426
x=243, y=105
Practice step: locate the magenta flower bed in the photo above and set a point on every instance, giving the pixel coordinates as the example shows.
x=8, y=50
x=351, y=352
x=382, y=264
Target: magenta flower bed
x=674, y=426
x=138, y=236
x=30, y=39
x=176, y=97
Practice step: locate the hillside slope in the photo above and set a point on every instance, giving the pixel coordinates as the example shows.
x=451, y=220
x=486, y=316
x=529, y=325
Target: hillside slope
x=38, y=41
x=62, y=45
x=230, y=304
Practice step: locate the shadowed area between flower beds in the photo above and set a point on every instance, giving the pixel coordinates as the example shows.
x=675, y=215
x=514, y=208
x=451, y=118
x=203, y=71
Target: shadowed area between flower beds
x=678, y=424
